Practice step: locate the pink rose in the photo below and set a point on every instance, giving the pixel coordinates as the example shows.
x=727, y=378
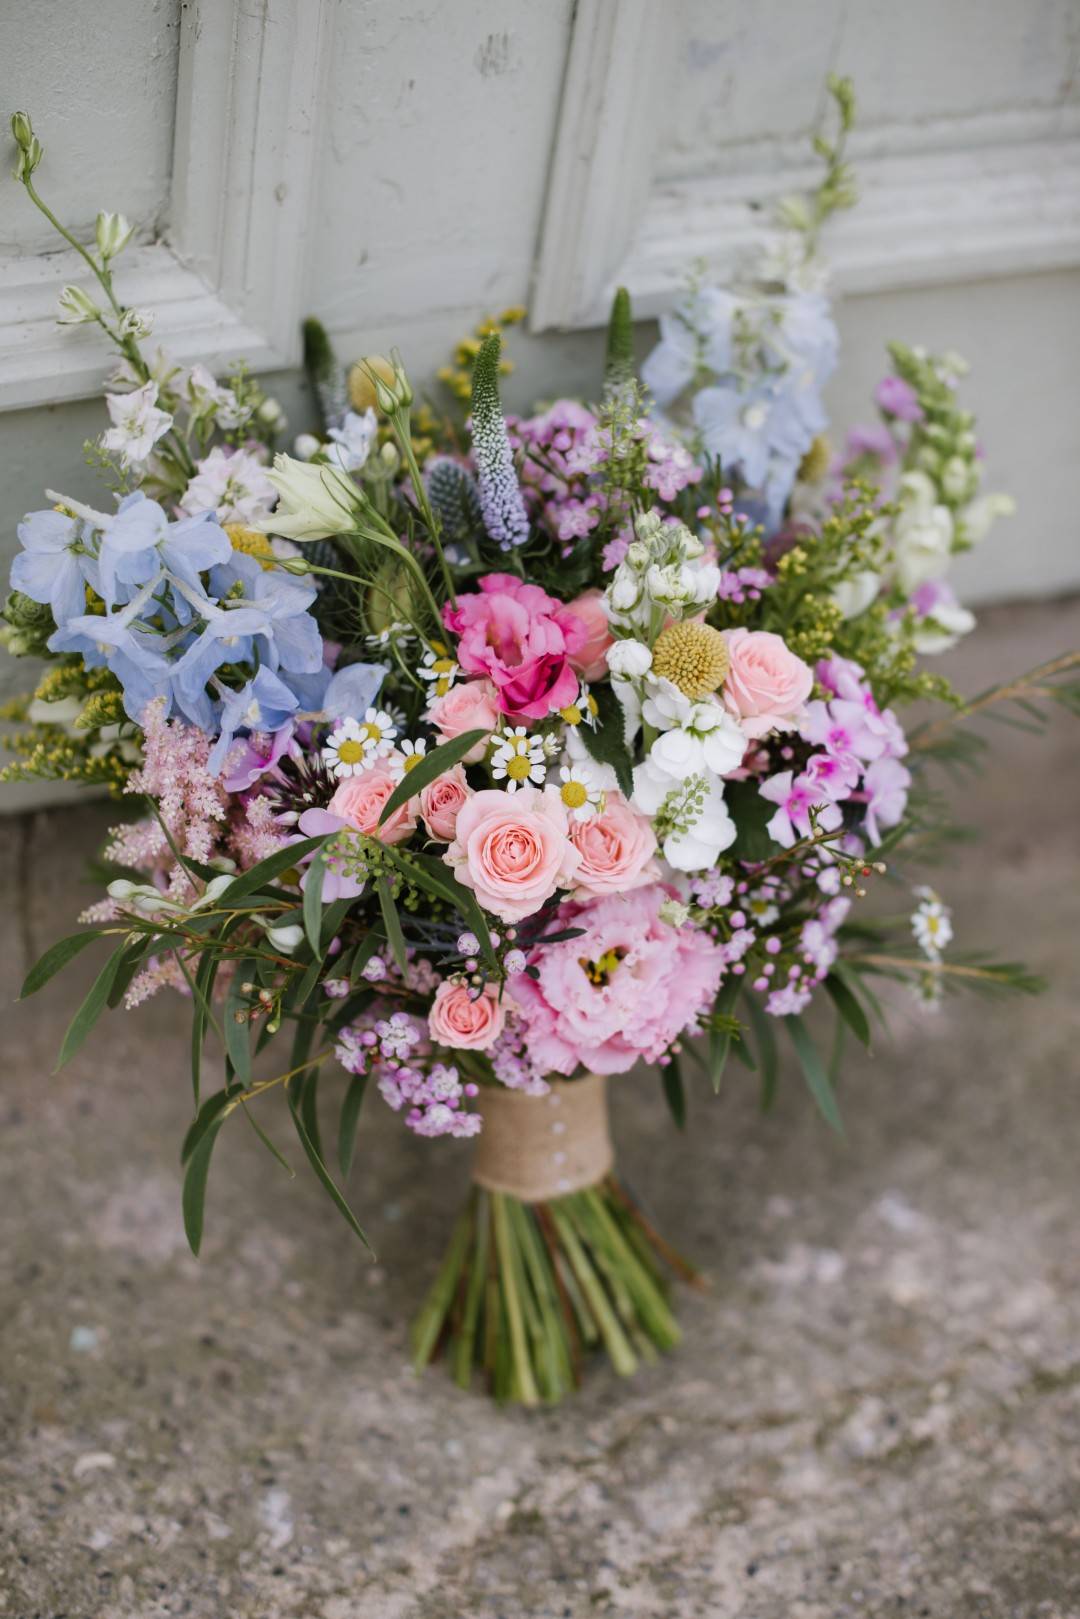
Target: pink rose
x=766, y=685
x=616, y=850
x=512, y=850
x=590, y=662
x=464, y=1021
x=359, y=802
x=472, y=706
x=523, y=639
x=441, y=800
x=624, y=988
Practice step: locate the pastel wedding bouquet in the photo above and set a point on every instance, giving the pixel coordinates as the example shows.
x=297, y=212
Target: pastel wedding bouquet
x=467, y=759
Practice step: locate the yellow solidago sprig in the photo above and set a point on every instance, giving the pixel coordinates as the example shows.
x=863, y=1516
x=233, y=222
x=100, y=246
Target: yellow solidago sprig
x=458, y=377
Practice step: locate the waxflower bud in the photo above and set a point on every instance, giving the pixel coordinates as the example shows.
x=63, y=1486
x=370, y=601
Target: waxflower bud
x=76, y=307
x=113, y=234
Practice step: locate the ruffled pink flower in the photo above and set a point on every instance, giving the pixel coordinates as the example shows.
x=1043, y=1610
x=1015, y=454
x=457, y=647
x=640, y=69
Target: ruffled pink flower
x=766, y=685
x=465, y=1021
x=512, y=850
x=471, y=706
x=625, y=988
x=616, y=850
x=590, y=661
x=523, y=640
x=441, y=802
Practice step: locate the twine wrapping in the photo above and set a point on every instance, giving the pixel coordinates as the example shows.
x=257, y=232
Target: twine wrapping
x=536, y=1148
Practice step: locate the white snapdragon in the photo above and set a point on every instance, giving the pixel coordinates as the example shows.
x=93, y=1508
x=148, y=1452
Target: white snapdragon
x=352, y=441
x=853, y=596
x=942, y=628
x=690, y=817
x=979, y=516
x=923, y=533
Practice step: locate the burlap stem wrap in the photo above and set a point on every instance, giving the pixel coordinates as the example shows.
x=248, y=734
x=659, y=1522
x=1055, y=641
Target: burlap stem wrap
x=536, y=1148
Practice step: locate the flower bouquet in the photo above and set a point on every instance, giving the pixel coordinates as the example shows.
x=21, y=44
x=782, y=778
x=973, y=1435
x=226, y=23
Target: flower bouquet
x=475, y=758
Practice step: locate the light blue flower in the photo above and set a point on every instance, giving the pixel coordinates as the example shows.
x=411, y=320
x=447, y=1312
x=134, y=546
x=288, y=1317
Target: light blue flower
x=133, y=654
x=54, y=565
x=694, y=336
x=348, y=694
x=291, y=635
x=263, y=704
x=139, y=544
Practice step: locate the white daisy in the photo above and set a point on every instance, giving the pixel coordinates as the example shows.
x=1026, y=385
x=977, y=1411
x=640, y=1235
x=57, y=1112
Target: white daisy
x=583, y=710
x=439, y=668
x=413, y=752
x=354, y=744
x=519, y=758
x=761, y=908
x=395, y=632
x=931, y=923
x=581, y=792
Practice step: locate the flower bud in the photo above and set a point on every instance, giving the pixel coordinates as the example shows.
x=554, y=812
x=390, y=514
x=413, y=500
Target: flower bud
x=624, y=592
x=113, y=234
x=76, y=307
x=306, y=446
x=390, y=456
x=271, y=415
x=28, y=144
x=637, y=555
x=136, y=323
x=629, y=659
x=285, y=939
x=363, y=378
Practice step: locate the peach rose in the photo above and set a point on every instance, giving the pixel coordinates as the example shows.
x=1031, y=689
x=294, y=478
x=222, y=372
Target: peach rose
x=766, y=685
x=359, y=802
x=441, y=800
x=616, y=850
x=464, y=1021
x=471, y=706
x=512, y=850
x=589, y=662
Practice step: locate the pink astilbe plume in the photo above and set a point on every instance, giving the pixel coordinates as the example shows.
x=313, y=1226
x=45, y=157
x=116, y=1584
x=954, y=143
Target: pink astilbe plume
x=191, y=802
x=256, y=834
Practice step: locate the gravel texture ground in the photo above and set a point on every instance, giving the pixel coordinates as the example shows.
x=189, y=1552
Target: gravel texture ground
x=876, y=1410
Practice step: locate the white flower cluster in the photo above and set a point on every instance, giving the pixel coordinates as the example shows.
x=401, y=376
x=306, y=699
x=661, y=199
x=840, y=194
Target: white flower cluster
x=662, y=576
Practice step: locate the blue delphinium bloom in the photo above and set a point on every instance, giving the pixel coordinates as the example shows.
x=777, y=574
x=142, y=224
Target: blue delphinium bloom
x=263, y=704
x=696, y=335
x=55, y=564
x=140, y=544
x=290, y=635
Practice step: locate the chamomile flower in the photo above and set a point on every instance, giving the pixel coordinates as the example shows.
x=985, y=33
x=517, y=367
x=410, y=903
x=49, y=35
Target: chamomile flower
x=583, y=710
x=581, y=792
x=354, y=744
x=518, y=759
x=413, y=752
x=439, y=668
x=396, y=632
x=760, y=907
x=931, y=923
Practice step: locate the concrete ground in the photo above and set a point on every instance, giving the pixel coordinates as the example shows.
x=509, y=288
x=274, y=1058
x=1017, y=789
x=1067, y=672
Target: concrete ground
x=876, y=1411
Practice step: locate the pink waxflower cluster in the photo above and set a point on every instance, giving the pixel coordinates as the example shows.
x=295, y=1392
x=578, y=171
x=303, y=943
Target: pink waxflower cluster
x=858, y=748
x=392, y=1047
x=625, y=988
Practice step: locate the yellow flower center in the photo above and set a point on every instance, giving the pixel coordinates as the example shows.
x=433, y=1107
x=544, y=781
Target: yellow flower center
x=443, y=666
x=598, y=972
x=371, y=730
x=692, y=656
x=571, y=715
x=252, y=543
x=350, y=752
x=574, y=794
x=411, y=761
x=519, y=767
x=442, y=685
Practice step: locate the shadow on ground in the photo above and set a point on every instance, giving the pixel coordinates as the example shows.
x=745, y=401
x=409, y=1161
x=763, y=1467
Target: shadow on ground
x=875, y=1411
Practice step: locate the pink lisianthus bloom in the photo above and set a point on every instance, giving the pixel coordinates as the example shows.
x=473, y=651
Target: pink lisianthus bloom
x=625, y=988
x=471, y=706
x=766, y=686
x=590, y=661
x=795, y=797
x=465, y=1021
x=513, y=850
x=886, y=786
x=441, y=801
x=616, y=849
x=523, y=640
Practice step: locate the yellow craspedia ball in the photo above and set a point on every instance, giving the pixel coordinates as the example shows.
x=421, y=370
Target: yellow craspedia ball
x=361, y=387
x=252, y=543
x=692, y=656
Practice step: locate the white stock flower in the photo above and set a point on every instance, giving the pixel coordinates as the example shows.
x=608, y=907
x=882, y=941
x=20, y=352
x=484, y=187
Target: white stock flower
x=691, y=817
x=979, y=517
x=942, y=628
x=315, y=502
x=137, y=424
x=853, y=596
x=923, y=534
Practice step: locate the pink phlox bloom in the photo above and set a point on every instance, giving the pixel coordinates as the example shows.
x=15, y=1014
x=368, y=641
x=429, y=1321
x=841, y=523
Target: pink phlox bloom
x=834, y=775
x=886, y=785
x=795, y=797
